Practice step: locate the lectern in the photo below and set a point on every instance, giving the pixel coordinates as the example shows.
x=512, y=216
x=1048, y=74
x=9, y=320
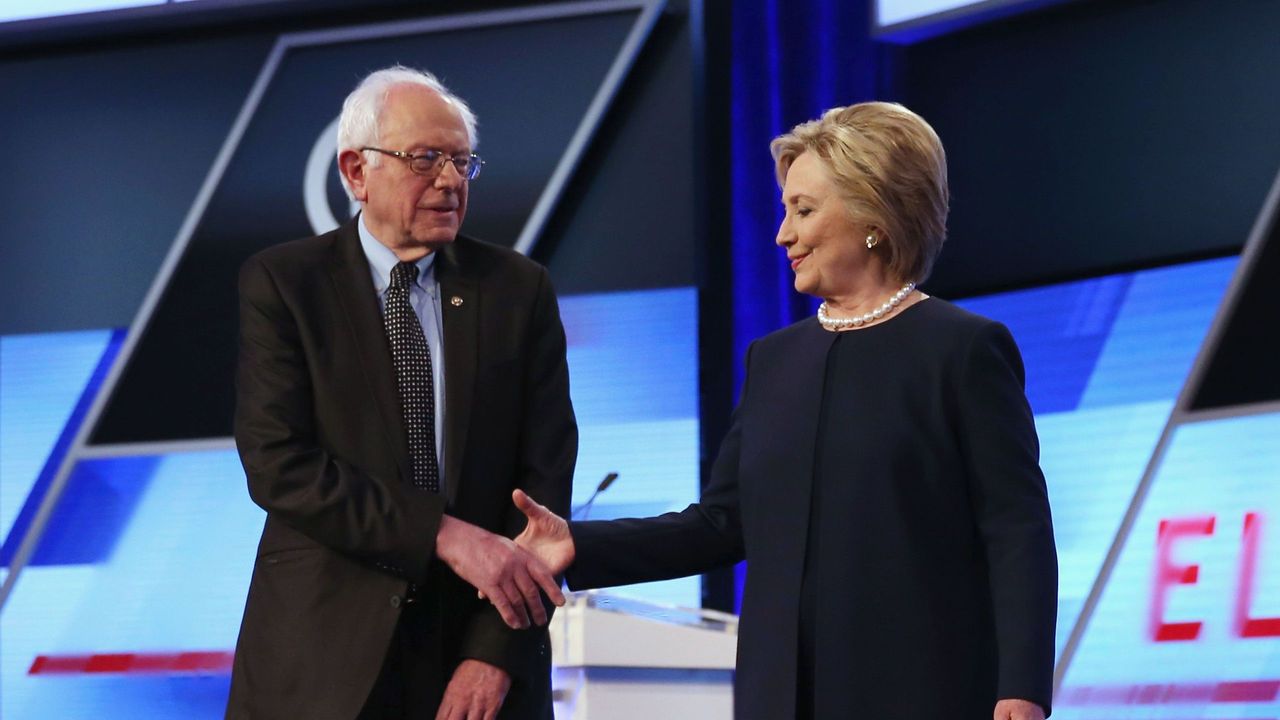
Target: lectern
x=621, y=659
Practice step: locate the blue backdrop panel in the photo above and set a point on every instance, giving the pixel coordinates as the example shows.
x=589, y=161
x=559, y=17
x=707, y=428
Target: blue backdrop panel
x=47, y=383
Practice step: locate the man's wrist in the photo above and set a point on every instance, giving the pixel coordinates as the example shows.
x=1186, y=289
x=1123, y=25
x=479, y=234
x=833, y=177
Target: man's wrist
x=487, y=663
x=451, y=535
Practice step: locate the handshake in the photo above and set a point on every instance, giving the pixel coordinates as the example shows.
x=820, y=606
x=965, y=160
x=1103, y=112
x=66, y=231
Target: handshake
x=510, y=573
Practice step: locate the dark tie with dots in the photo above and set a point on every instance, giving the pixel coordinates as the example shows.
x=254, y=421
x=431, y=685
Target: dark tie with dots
x=414, y=380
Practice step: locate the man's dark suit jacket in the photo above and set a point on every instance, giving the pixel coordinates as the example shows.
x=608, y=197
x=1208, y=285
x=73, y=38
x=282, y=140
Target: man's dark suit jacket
x=937, y=583
x=320, y=434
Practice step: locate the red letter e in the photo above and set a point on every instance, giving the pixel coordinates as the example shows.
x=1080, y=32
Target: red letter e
x=1168, y=575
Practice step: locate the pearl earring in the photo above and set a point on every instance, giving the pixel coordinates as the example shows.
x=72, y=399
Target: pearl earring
x=871, y=241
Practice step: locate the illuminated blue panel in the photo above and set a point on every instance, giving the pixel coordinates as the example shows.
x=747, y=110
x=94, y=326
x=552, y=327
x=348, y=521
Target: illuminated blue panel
x=633, y=369
x=1167, y=641
x=892, y=12
x=633, y=356
x=45, y=382
x=1092, y=461
x=174, y=581
x=1157, y=333
x=124, y=696
x=912, y=20
x=94, y=511
x=28, y=9
x=1061, y=330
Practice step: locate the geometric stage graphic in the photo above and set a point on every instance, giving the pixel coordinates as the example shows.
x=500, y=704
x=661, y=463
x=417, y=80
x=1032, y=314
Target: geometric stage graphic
x=1183, y=619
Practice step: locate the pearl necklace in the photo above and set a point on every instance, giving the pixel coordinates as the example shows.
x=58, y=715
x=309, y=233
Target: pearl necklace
x=830, y=323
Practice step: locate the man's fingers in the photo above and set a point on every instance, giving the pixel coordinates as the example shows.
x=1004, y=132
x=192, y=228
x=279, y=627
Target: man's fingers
x=532, y=599
x=517, y=602
x=448, y=710
x=508, y=613
x=504, y=609
x=543, y=577
x=541, y=574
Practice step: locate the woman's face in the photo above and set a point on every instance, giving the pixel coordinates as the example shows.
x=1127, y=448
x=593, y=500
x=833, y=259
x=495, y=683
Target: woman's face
x=827, y=249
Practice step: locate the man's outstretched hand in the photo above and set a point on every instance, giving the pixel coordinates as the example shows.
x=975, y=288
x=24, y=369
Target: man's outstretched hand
x=546, y=536
x=508, y=575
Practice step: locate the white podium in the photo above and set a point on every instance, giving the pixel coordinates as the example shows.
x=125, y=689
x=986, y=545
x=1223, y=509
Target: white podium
x=621, y=659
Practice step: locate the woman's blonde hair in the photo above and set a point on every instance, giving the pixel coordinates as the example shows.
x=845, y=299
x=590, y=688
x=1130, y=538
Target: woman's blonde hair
x=891, y=171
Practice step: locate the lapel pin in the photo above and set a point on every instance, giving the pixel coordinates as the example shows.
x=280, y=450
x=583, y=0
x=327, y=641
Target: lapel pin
x=455, y=301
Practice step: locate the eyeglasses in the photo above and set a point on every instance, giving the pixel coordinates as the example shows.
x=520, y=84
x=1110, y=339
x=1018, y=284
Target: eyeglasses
x=431, y=162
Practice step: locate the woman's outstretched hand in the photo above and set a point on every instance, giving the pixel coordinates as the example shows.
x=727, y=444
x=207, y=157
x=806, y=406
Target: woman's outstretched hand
x=547, y=534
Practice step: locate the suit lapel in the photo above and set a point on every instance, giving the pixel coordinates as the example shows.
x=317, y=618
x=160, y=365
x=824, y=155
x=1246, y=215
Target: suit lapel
x=349, y=271
x=801, y=417
x=793, y=391
x=786, y=414
x=460, y=308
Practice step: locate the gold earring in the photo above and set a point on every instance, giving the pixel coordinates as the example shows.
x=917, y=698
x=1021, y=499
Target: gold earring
x=871, y=241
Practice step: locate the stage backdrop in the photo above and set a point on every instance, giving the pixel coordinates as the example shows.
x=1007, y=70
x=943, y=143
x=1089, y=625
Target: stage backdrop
x=132, y=596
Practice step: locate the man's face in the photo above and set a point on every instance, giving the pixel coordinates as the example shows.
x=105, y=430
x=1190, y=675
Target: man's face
x=412, y=214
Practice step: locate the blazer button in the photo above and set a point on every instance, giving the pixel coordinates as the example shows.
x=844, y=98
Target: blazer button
x=395, y=601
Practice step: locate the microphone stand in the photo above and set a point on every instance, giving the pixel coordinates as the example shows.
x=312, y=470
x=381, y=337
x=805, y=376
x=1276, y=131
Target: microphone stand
x=585, y=508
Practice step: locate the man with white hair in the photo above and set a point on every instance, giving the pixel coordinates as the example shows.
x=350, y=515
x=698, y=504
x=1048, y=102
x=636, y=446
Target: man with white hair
x=397, y=382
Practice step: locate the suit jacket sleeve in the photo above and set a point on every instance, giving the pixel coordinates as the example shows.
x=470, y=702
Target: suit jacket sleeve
x=548, y=450
x=1010, y=504
x=703, y=536
x=290, y=474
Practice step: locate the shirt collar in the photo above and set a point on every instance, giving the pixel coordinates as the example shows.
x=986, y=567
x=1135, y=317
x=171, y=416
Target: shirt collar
x=382, y=260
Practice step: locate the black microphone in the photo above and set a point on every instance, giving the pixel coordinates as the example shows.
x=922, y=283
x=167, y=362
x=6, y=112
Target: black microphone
x=585, y=508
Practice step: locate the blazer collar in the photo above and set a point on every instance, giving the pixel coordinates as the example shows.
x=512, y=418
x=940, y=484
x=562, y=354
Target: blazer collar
x=353, y=283
x=460, y=307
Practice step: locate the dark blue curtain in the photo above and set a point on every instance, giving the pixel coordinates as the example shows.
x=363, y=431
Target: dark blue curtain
x=792, y=59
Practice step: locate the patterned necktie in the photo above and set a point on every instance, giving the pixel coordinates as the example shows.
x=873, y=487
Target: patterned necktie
x=414, y=380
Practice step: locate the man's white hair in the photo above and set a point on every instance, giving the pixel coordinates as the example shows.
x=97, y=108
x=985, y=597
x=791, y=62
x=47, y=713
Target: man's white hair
x=358, y=125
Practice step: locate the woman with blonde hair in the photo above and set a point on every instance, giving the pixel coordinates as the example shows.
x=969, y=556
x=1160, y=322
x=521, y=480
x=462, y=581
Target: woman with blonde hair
x=881, y=476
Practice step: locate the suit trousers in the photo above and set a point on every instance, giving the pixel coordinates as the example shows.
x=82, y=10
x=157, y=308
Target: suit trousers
x=411, y=683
